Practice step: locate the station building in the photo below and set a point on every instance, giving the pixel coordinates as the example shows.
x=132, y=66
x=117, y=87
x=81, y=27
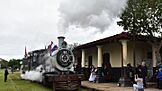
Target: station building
x=116, y=52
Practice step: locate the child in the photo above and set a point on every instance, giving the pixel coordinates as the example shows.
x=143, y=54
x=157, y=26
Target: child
x=139, y=80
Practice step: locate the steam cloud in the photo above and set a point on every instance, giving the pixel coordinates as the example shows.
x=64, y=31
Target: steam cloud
x=89, y=13
x=34, y=75
x=37, y=74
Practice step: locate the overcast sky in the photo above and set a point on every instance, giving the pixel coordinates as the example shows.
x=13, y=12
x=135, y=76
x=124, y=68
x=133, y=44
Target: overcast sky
x=34, y=23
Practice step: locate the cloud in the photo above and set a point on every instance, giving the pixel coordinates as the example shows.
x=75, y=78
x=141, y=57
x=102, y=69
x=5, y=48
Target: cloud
x=34, y=23
x=85, y=35
x=30, y=23
x=89, y=13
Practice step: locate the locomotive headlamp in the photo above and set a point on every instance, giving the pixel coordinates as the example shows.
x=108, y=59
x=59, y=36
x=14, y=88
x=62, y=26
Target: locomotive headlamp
x=64, y=44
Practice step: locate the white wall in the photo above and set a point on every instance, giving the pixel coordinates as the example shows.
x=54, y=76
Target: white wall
x=114, y=49
x=91, y=52
x=141, y=49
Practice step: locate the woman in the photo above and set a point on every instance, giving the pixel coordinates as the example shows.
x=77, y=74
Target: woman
x=139, y=80
x=92, y=77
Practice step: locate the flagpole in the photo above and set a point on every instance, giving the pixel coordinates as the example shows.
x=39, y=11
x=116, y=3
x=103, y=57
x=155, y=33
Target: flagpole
x=51, y=48
x=25, y=52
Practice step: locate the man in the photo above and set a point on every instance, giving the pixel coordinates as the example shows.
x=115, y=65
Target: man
x=130, y=72
x=5, y=74
x=12, y=69
x=144, y=73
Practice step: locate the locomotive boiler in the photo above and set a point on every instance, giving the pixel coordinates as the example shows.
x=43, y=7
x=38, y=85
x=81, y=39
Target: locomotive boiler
x=57, y=67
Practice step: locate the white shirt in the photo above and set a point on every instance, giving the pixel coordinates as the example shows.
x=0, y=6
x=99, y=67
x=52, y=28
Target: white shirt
x=139, y=82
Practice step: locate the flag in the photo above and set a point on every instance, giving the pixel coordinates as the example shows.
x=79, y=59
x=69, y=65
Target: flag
x=53, y=47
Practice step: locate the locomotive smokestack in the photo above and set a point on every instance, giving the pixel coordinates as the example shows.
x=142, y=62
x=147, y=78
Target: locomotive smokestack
x=60, y=41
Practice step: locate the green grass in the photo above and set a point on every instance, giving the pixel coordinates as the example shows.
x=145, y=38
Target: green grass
x=14, y=83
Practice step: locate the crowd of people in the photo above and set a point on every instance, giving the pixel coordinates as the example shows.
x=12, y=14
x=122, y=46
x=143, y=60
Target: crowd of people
x=137, y=75
x=138, y=78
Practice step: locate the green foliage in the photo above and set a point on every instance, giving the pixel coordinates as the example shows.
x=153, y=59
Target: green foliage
x=142, y=17
x=3, y=63
x=72, y=46
x=14, y=63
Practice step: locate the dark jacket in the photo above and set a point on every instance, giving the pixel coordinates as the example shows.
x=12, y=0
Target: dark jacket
x=144, y=71
x=6, y=72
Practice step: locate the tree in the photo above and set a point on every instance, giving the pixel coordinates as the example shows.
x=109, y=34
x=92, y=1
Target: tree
x=144, y=17
x=15, y=63
x=72, y=46
x=3, y=63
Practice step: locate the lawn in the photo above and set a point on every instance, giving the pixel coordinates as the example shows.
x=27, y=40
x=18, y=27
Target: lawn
x=14, y=83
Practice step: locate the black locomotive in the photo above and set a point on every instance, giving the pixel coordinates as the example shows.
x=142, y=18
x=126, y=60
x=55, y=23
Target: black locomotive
x=58, y=68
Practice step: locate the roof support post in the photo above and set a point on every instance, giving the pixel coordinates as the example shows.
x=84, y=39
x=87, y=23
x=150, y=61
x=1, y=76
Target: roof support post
x=124, y=51
x=83, y=58
x=100, y=59
x=99, y=77
x=124, y=80
x=154, y=56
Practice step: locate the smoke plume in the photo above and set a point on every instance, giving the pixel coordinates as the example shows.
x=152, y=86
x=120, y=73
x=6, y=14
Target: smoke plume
x=89, y=13
x=34, y=75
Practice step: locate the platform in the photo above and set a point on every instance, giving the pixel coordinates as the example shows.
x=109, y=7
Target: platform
x=112, y=87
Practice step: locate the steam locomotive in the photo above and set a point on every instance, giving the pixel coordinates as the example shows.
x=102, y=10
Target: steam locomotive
x=58, y=68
